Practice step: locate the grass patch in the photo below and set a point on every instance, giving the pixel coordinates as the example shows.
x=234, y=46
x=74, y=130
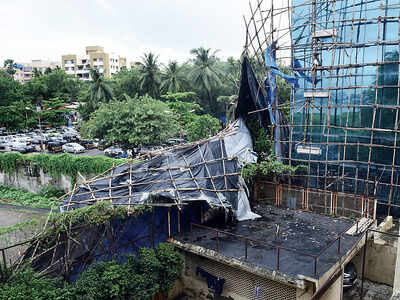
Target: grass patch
x=21, y=197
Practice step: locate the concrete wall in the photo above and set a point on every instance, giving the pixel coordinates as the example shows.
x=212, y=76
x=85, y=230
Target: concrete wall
x=380, y=263
x=335, y=291
x=32, y=178
x=239, y=284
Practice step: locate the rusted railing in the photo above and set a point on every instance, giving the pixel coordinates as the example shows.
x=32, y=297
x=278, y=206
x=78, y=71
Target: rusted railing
x=277, y=247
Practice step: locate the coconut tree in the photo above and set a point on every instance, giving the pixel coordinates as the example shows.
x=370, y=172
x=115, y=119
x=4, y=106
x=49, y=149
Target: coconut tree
x=100, y=90
x=205, y=73
x=173, y=79
x=150, y=75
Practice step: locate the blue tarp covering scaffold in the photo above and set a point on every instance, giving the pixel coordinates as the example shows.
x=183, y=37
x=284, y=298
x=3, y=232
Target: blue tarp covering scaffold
x=180, y=184
x=112, y=241
x=345, y=112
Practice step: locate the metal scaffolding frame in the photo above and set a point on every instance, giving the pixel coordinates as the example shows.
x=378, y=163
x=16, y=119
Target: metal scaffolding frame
x=344, y=114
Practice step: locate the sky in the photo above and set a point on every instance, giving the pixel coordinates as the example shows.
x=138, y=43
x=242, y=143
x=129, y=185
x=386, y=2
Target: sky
x=47, y=29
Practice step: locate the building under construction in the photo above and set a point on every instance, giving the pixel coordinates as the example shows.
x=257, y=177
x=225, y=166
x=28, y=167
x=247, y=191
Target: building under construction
x=343, y=57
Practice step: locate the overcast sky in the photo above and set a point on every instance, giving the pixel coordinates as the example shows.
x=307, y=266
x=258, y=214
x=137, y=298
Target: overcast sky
x=46, y=29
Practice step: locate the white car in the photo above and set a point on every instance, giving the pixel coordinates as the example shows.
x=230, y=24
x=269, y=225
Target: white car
x=73, y=148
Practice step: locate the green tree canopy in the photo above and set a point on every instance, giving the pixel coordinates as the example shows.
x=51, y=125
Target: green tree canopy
x=8, y=63
x=126, y=82
x=136, y=121
x=10, y=90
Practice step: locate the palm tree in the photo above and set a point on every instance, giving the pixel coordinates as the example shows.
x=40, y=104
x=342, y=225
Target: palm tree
x=150, y=75
x=205, y=74
x=173, y=78
x=99, y=90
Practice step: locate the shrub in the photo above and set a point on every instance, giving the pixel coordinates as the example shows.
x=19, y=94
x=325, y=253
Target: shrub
x=49, y=191
x=21, y=197
x=24, y=285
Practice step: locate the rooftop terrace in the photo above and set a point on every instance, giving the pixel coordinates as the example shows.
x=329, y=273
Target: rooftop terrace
x=293, y=242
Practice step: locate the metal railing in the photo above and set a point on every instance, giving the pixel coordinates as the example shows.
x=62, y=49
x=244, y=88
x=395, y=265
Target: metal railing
x=278, y=248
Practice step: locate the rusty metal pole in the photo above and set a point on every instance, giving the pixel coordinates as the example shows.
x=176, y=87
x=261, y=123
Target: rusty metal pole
x=363, y=265
x=5, y=263
x=191, y=232
x=152, y=227
x=169, y=222
x=315, y=265
x=217, y=242
x=278, y=248
x=246, y=241
x=179, y=220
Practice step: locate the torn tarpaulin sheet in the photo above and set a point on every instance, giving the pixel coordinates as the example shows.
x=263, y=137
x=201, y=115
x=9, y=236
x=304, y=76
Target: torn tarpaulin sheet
x=251, y=97
x=270, y=63
x=203, y=171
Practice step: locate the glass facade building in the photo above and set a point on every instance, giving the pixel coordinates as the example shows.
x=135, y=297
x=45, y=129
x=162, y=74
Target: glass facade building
x=344, y=115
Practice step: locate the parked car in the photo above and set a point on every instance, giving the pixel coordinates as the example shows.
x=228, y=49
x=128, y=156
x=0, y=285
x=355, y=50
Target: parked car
x=349, y=276
x=19, y=147
x=88, y=144
x=176, y=141
x=70, y=137
x=114, y=151
x=103, y=145
x=55, y=147
x=73, y=148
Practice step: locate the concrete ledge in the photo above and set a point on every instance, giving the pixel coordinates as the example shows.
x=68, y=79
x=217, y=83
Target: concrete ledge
x=386, y=225
x=245, y=266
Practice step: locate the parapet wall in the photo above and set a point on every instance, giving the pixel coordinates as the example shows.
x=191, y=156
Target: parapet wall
x=318, y=201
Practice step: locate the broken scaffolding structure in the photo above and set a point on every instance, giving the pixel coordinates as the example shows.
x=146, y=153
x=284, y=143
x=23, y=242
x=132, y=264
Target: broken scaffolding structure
x=343, y=56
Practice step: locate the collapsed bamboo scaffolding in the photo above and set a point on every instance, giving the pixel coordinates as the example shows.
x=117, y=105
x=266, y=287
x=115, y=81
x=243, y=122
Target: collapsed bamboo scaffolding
x=167, y=178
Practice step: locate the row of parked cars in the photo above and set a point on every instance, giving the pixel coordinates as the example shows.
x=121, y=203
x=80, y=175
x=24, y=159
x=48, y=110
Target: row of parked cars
x=63, y=139
x=67, y=139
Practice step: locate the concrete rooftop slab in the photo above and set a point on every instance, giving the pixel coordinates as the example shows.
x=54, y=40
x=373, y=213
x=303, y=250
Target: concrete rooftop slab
x=297, y=230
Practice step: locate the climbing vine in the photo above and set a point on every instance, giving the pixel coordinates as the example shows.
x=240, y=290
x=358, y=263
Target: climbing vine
x=57, y=165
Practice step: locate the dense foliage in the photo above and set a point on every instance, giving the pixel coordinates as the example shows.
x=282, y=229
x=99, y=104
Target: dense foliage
x=57, y=165
x=205, y=74
x=135, y=121
x=142, y=277
x=142, y=121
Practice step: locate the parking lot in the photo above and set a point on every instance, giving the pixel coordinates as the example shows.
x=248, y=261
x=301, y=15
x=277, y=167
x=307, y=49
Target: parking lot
x=56, y=141
x=68, y=140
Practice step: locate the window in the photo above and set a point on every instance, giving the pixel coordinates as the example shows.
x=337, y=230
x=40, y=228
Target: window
x=100, y=59
x=95, y=60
